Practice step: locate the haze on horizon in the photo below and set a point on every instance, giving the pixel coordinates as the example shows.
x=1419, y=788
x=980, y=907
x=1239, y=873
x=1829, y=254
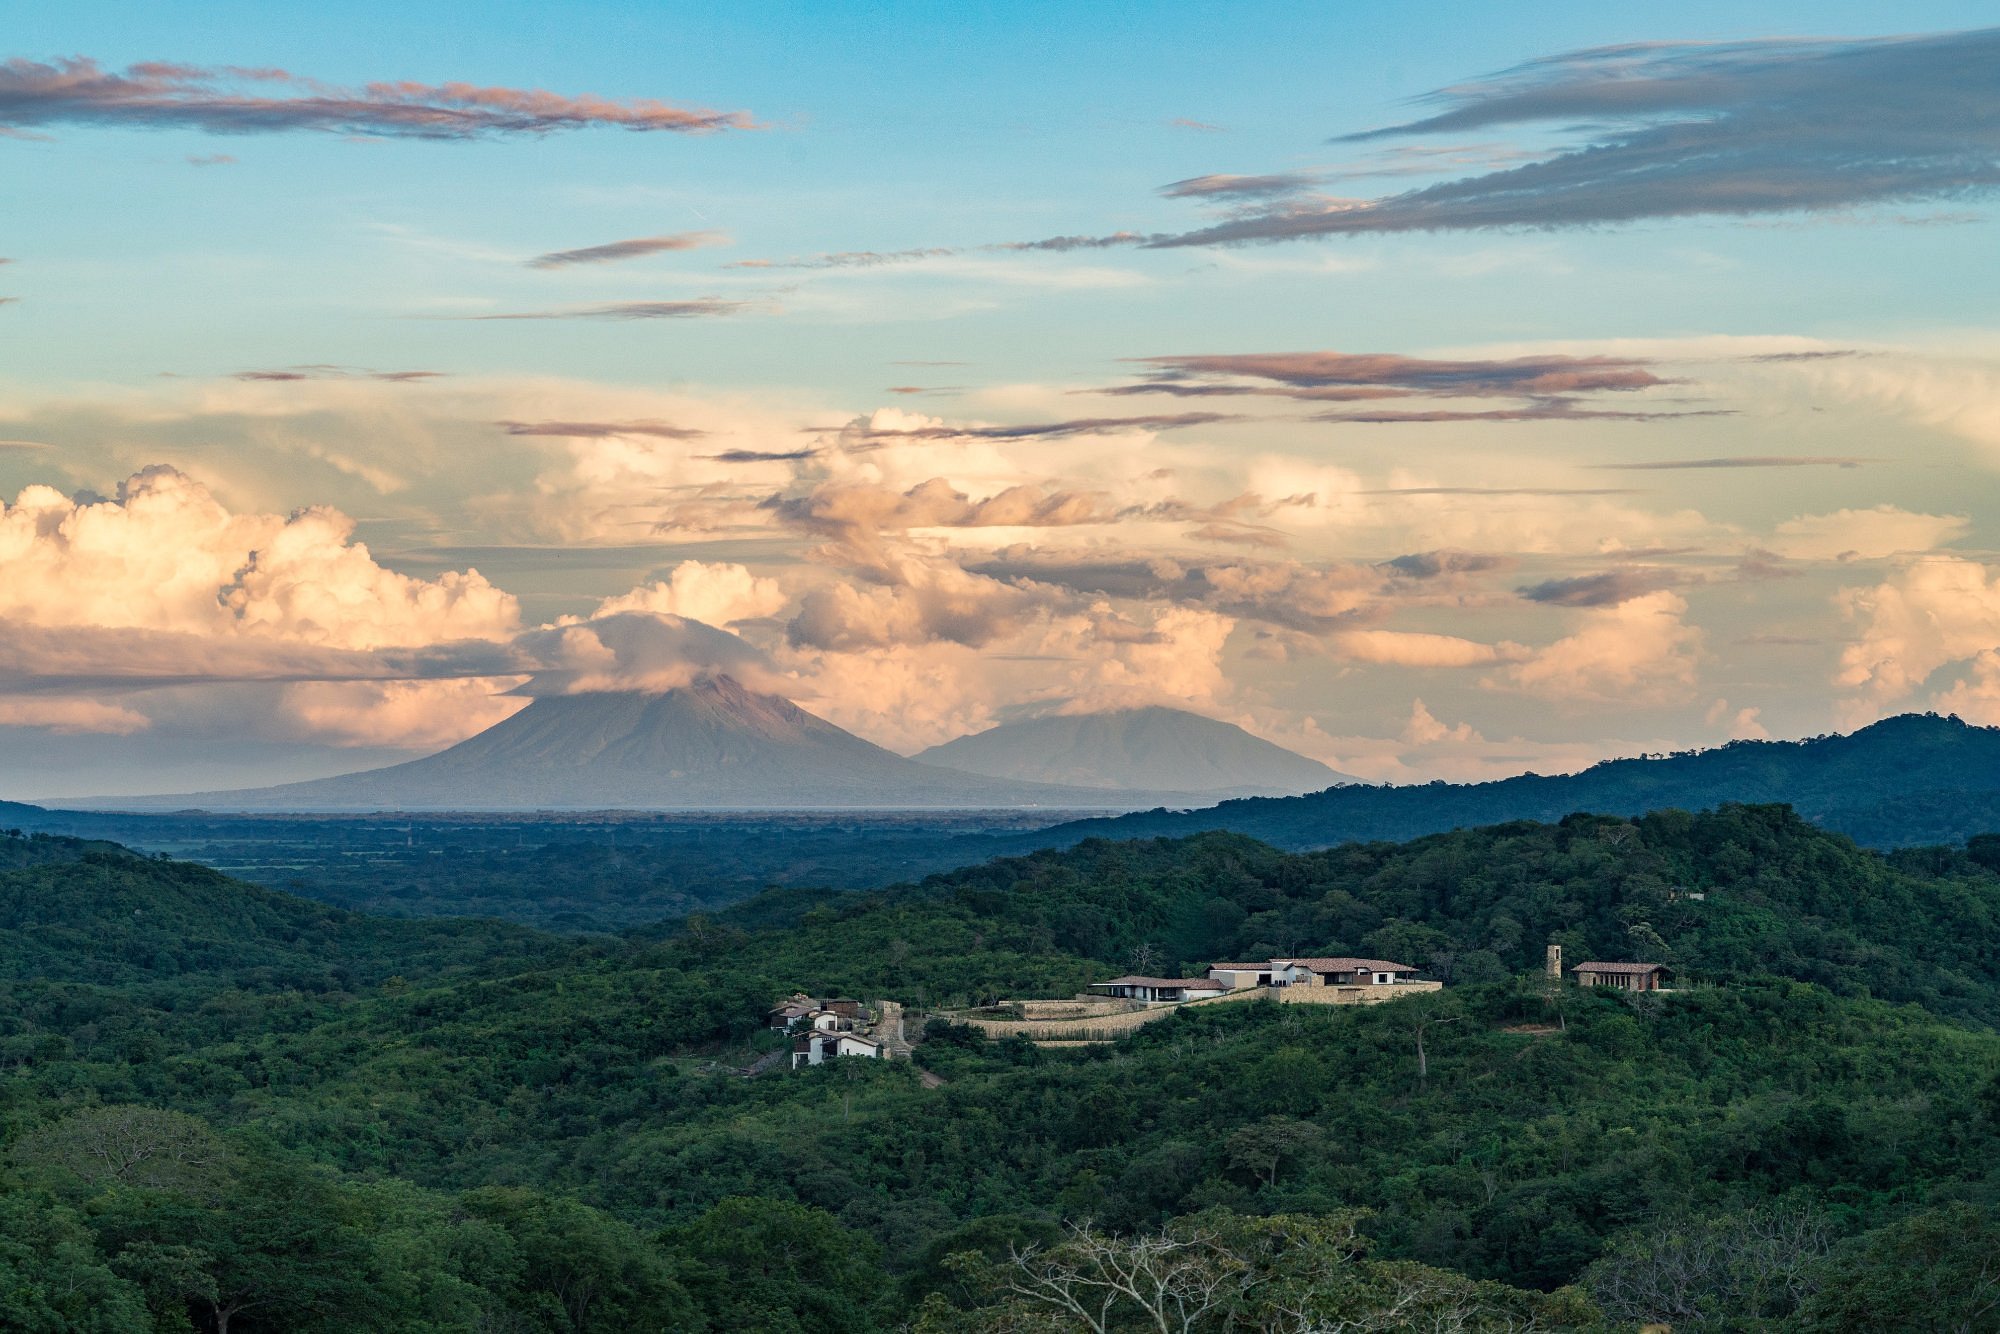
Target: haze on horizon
x=1437, y=393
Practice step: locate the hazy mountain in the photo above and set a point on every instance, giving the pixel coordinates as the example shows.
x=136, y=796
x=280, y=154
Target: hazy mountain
x=710, y=745
x=1908, y=780
x=1142, y=750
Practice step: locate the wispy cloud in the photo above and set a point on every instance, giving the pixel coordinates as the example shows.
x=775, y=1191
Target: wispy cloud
x=288, y=374
x=849, y=259
x=1551, y=388
x=211, y=160
x=1389, y=375
x=232, y=100
x=1501, y=491
x=586, y=430
x=866, y=434
x=1742, y=461
x=1603, y=590
x=698, y=308
x=634, y=248
x=762, y=456
x=1691, y=129
x=1548, y=410
x=1239, y=187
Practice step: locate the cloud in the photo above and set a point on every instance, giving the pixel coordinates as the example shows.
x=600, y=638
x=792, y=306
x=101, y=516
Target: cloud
x=210, y=160
x=165, y=555
x=1239, y=187
x=588, y=430
x=634, y=248
x=1545, y=410
x=1744, y=724
x=1424, y=729
x=71, y=716
x=867, y=432
x=715, y=594
x=1934, y=611
x=1062, y=245
x=631, y=650
x=1870, y=534
x=924, y=602
x=849, y=259
x=1344, y=376
x=403, y=715
x=1544, y=491
x=229, y=100
x=1637, y=652
x=1602, y=590
x=1742, y=461
x=697, y=308
x=1691, y=129
x=1404, y=648
x=763, y=455
x=856, y=514
x=1438, y=564
x=292, y=374
x=1310, y=598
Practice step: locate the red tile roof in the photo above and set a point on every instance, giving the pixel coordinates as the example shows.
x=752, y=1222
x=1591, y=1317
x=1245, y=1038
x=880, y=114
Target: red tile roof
x=1636, y=968
x=1349, y=965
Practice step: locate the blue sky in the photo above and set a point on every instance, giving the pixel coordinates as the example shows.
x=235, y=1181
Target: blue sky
x=1836, y=327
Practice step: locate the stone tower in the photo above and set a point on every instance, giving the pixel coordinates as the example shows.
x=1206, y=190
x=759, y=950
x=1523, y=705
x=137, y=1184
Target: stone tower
x=1555, y=963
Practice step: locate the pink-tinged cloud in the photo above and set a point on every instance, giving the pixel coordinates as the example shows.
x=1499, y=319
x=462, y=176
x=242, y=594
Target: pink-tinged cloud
x=1239, y=187
x=582, y=430
x=1378, y=371
x=159, y=95
x=633, y=248
x=289, y=374
x=1042, y=430
x=698, y=308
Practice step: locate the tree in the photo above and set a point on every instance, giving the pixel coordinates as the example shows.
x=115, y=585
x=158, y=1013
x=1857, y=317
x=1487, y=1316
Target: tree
x=1934, y=1271
x=579, y=1269
x=776, y=1265
x=281, y=1248
x=145, y=1147
x=1758, y=1264
x=1263, y=1147
x=51, y=1278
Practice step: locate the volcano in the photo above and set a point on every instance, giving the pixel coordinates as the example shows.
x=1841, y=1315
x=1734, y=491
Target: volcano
x=1137, y=750
x=711, y=745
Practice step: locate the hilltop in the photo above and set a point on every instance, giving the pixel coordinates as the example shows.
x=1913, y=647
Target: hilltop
x=1137, y=750
x=1905, y=781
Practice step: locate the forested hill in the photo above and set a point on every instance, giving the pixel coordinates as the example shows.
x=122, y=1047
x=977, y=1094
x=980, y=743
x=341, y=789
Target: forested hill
x=1907, y=781
x=559, y=1138
x=84, y=911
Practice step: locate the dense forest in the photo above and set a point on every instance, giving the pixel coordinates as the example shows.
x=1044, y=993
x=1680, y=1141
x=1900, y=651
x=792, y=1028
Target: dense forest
x=1907, y=781
x=1910, y=781
x=228, y=1108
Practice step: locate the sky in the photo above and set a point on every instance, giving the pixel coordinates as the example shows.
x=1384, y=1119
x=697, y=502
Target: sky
x=1440, y=390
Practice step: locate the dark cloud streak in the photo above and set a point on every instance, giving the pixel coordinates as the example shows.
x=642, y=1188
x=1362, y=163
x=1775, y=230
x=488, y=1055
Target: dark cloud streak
x=1784, y=126
x=229, y=100
x=633, y=248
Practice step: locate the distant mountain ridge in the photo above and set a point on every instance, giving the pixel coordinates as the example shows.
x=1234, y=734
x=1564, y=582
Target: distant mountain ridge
x=710, y=745
x=1146, y=749
x=1908, y=780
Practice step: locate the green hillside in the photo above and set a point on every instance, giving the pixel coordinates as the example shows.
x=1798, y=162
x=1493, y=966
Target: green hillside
x=1906, y=781
x=470, y=1126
